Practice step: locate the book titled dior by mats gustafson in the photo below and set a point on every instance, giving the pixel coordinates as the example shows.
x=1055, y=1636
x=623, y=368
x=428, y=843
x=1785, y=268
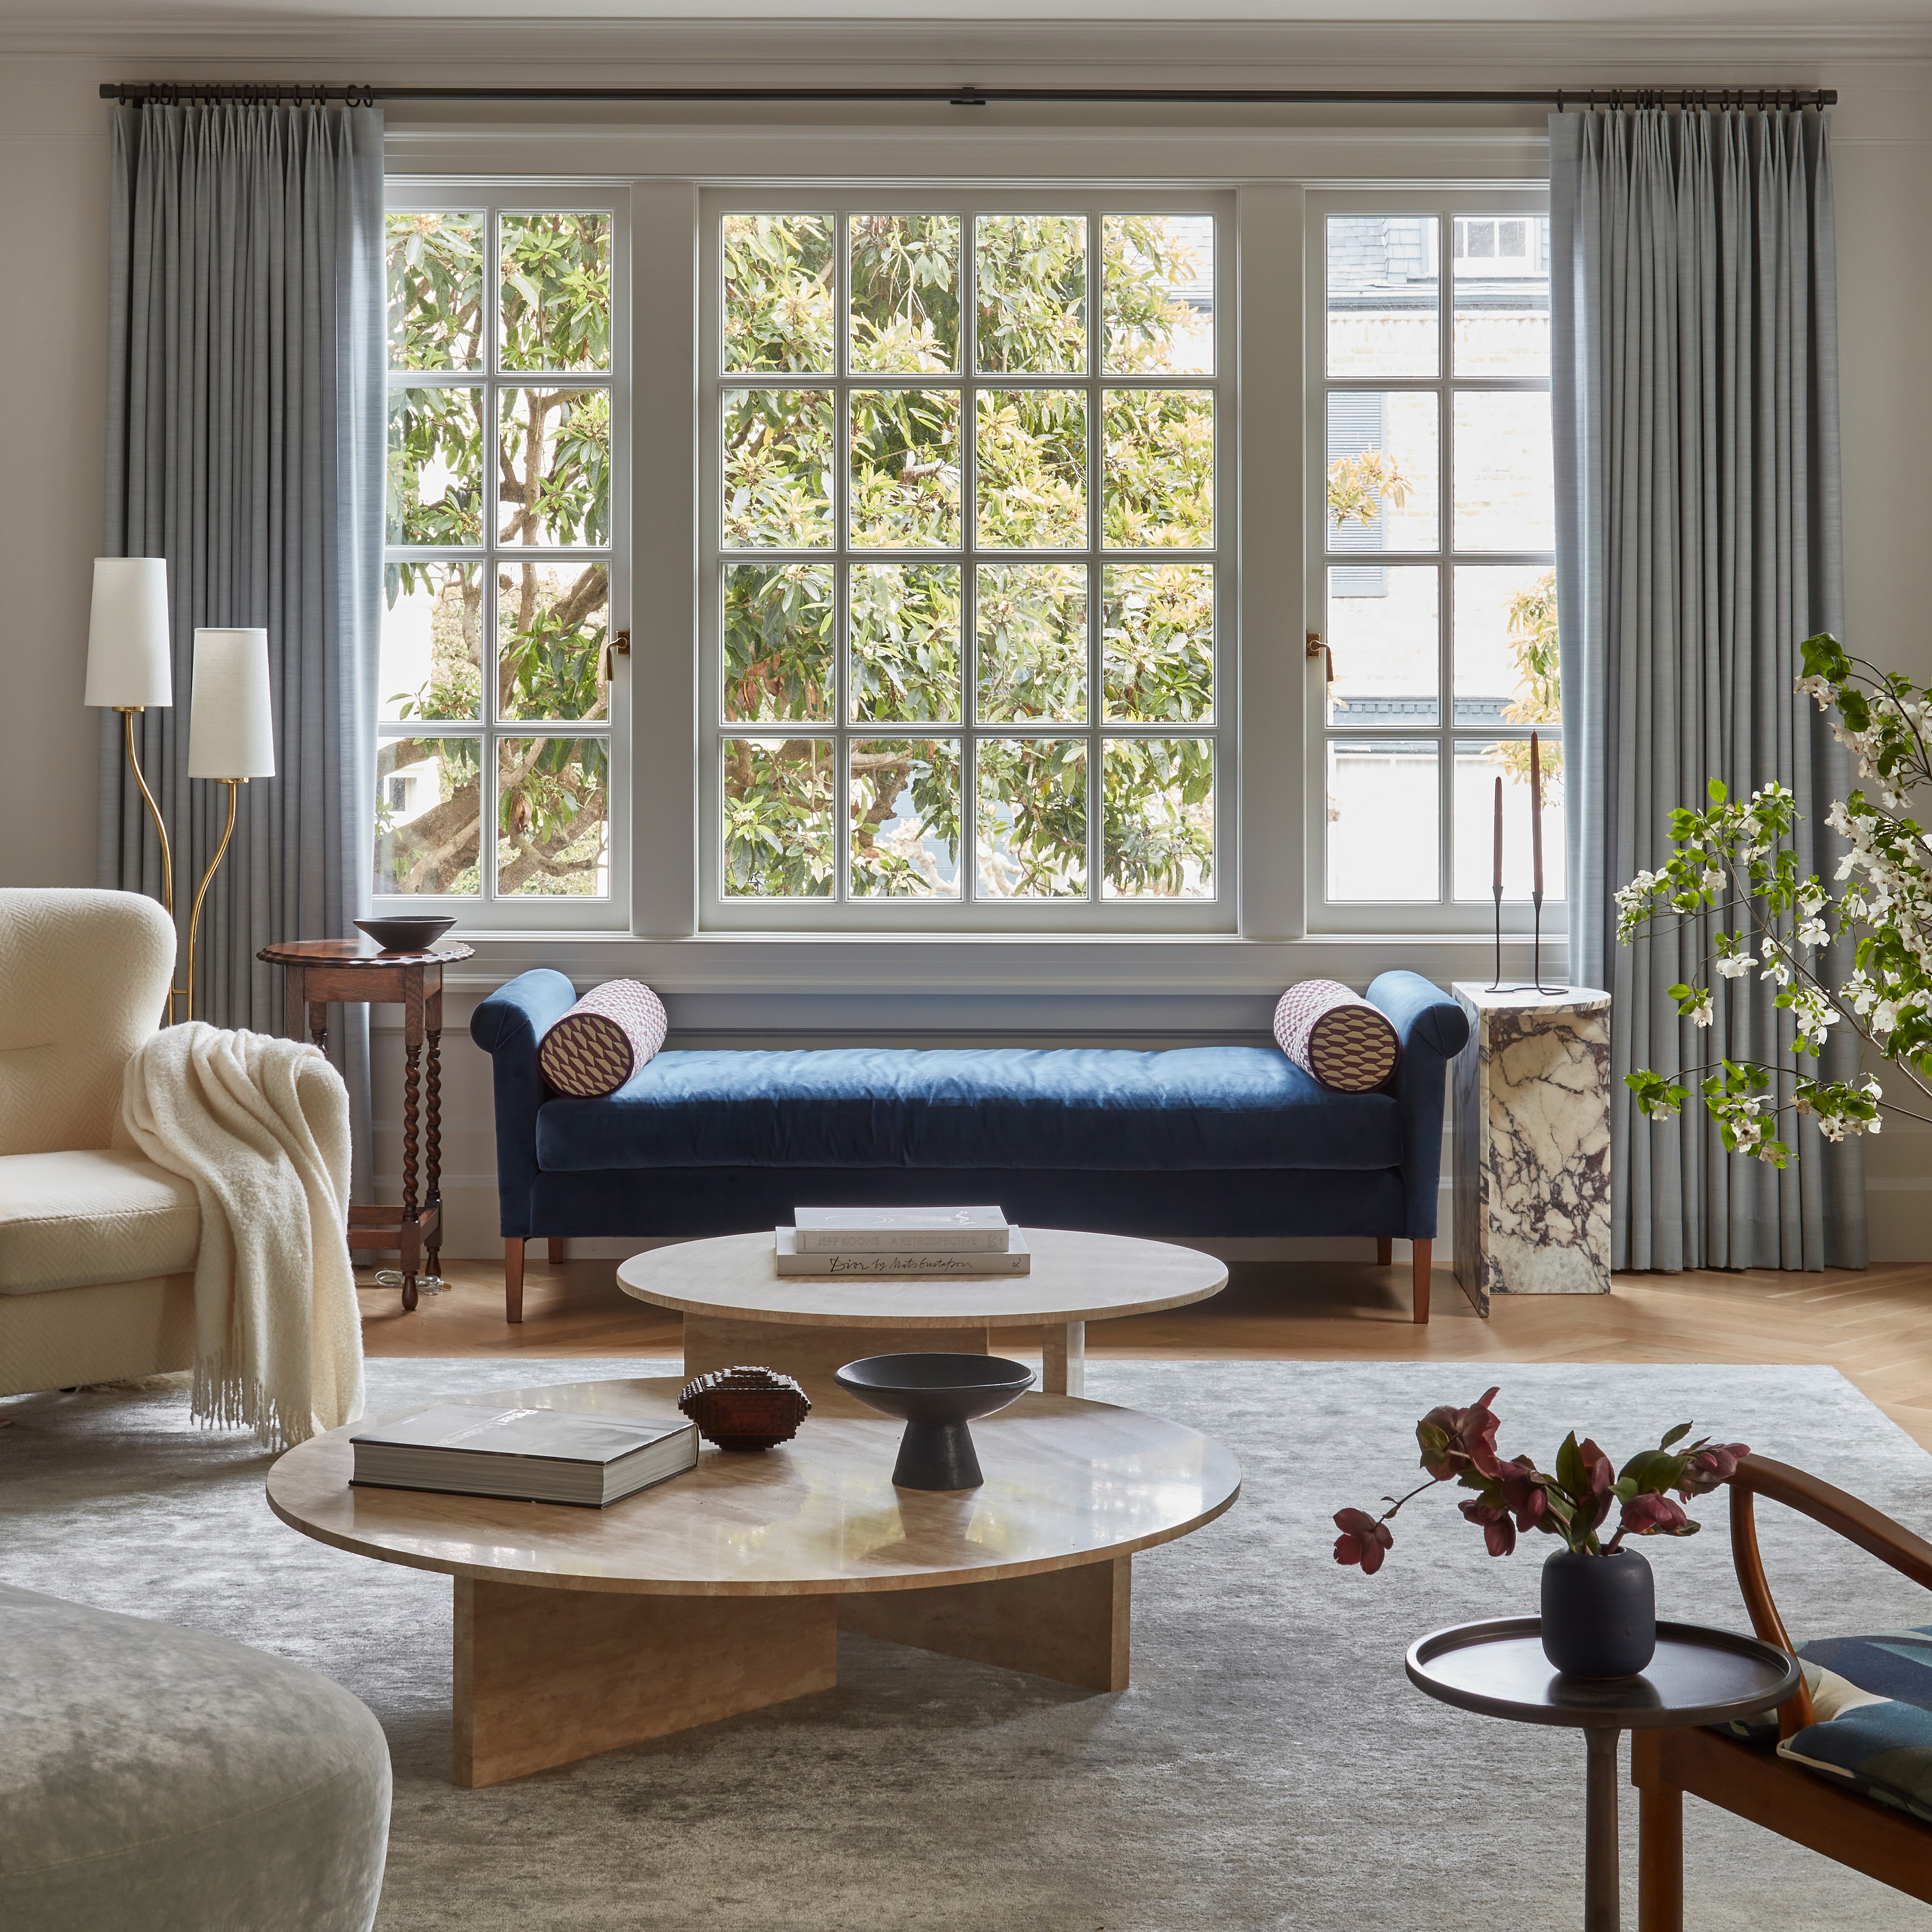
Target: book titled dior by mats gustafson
x=528, y=1455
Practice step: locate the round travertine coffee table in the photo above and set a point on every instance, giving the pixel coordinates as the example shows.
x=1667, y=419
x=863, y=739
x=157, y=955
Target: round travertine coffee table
x=725, y=1588
x=737, y=1308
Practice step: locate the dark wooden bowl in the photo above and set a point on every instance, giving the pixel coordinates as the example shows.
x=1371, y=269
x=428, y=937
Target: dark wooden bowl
x=405, y=935
x=745, y=1408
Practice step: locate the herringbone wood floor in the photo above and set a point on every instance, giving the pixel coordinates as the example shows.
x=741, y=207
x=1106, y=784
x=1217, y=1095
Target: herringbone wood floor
x=1875, y=1326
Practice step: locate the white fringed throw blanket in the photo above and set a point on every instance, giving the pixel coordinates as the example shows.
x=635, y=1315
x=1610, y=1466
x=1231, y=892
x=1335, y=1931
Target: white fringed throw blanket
x=261, y=1127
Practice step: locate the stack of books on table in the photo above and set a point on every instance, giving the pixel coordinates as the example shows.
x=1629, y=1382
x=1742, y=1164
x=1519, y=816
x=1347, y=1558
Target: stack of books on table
x=938, y=1242
x=529, y=1455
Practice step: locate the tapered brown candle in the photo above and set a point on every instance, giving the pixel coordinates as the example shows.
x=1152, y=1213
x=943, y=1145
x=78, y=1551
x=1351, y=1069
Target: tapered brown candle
x=1535, y=816
x=1499, y=886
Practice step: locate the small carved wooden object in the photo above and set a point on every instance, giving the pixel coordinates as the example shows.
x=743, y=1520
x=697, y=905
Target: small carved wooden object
x=745, y=1408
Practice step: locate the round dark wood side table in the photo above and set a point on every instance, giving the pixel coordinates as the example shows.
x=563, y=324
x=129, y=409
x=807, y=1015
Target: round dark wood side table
x=1698, y=1677
x=356, y=972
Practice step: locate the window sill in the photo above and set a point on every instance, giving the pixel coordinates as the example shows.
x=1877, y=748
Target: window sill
x=914, y=967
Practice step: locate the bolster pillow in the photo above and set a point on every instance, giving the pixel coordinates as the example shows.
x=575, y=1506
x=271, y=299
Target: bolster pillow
x=603, y=1039
x=1336, y=1037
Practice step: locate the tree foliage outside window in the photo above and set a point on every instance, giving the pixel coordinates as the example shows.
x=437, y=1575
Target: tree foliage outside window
x=993, y=528
x=507, y=457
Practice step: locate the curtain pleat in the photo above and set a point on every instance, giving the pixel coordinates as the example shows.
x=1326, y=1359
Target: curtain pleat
x=245, y=426
x=1695, y=380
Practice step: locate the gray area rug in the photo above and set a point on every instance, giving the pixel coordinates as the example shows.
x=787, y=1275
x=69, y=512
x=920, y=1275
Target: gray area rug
x=1270, y=1767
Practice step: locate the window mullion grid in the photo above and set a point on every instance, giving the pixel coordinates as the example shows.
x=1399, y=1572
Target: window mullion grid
x=843, y=724
x=1096, y=568
x=968, y=336
x=1445, y=574
x=488, y=814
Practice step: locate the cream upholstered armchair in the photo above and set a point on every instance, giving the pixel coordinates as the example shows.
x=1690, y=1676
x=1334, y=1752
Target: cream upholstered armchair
x=97, y=1246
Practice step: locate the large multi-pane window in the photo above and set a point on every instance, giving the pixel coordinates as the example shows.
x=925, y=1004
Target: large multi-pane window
x=494, y=768
x=967, y=610
x=1431, y=404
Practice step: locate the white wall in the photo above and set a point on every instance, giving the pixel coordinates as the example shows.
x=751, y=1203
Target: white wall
x=53, y=219
x=53, y=349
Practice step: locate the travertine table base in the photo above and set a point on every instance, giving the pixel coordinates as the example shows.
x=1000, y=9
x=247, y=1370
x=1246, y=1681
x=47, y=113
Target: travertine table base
x=737, y=1308
x=577, y=1631
x=1532, y=1151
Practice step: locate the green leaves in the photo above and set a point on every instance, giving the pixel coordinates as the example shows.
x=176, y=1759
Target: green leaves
x=1657, y=1098
x=1739, y=857
x=1570, y=1465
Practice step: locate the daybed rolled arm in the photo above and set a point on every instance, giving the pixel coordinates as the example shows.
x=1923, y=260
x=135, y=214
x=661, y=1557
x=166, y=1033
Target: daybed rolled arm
x=1858, y=1522
x=1433, y=1029
x=508, y=1026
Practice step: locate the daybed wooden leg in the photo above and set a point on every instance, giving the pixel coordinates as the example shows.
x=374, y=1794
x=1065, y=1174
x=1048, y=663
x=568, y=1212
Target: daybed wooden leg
x=513, y=1280
x=1660, y=1856
x=1385, y=1250
x=555, y=1250
x=1420, y=1278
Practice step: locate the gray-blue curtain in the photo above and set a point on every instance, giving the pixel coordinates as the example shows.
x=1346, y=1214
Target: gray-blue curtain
x=1695, y=374
x=244, y=445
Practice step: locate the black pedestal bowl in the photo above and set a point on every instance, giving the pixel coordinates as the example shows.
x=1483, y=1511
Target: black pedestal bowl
x=937, y=1395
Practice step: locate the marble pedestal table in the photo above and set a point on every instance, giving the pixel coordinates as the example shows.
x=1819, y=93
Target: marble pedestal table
x=737, y=1308
x=724, y=1589
x=1532, y=1161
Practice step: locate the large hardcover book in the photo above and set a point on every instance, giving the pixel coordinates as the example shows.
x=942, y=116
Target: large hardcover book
x=530, y=1455
x=911, y=1262
x=933, y=1231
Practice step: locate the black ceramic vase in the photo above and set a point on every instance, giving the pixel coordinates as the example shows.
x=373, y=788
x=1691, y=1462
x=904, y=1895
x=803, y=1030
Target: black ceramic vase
x=1599, y=1614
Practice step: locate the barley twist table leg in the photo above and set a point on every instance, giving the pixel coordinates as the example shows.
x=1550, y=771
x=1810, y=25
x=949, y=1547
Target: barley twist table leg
x=411, y=1056
x=433, y=1179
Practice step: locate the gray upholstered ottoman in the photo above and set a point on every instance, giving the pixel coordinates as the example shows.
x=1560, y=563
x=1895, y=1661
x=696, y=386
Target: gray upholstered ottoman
x=155, y=1779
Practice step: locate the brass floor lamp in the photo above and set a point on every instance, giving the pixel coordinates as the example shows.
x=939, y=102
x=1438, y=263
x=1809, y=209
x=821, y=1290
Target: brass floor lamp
x=231, y=730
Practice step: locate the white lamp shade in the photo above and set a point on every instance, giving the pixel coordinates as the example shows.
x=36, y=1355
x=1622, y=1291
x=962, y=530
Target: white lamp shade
x=128, y=664
x=231, y=732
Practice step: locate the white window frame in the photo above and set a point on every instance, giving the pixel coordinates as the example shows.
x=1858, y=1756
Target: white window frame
x=1445, y=914
x=967, y=915
x=486, y=914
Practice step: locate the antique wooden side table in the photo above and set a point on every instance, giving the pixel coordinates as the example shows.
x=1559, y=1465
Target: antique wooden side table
x=357, y=972
x=1699, y=1677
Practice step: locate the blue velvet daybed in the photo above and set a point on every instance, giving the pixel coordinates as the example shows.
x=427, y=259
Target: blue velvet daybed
x=1214, y=1141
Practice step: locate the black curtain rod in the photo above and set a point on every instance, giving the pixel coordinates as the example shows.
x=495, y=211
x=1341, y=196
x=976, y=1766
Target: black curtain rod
x=167, y=94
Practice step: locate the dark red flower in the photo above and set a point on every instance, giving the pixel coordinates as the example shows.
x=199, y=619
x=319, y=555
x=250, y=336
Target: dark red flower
x=1523, y=1493
x=1654, y=1516
x=1710, y=1468
x=1603, y=1482
x=1498, y=1532
x=1364, y=1540
x=1456, y=1439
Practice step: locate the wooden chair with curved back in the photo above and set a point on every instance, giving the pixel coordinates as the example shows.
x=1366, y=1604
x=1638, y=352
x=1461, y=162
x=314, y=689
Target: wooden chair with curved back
x=1884, y=1843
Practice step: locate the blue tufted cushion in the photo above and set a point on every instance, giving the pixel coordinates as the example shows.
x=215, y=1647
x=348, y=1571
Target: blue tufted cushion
x=1208, y=1108
x=1873, y=1698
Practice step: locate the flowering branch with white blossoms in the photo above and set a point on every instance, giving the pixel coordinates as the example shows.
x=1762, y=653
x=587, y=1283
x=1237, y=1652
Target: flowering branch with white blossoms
x=1734, y=858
